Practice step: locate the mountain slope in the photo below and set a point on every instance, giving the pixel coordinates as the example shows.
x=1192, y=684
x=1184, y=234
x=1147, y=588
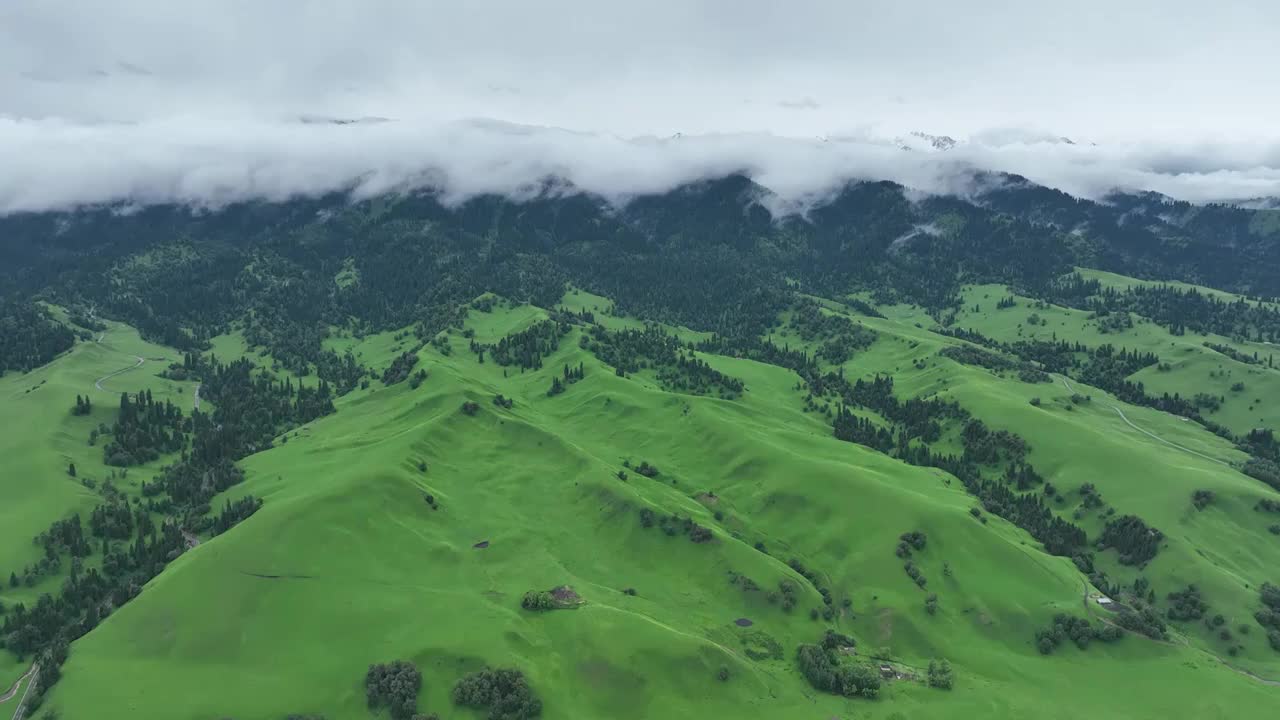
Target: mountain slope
x=347, y=565
x=920, y=422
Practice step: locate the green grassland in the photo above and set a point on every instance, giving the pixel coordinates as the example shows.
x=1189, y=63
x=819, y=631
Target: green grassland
x=1193, y=367
x=1224, y=550
x=347, y=565
x=1119, y=282
x=43, y=437
x=9, y=706
x=578, y=300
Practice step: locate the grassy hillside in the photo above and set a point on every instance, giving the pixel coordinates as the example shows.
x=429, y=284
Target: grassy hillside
x=43, y=438
x=1225, y=549
x=346, y=564
x=1192, y=367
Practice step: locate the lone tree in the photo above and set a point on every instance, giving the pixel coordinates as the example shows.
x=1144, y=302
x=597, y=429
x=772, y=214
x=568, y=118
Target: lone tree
x=941, y=675
x=538, y=600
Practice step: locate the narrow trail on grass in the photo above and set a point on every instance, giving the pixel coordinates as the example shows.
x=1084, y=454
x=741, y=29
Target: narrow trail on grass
x=32, y=674
x=17, y=684
x=1246, y=673
x=1067, y=384
x=98, y=383
x=195, y=393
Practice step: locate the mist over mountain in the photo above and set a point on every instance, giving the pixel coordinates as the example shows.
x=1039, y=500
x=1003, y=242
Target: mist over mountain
x=210, y=161
x=145, y=102
x=677, y=359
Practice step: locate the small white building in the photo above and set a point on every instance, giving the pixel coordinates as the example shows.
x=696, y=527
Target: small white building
x=1104, y=600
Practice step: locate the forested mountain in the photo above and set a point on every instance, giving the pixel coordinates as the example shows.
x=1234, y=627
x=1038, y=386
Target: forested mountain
x=708, y=255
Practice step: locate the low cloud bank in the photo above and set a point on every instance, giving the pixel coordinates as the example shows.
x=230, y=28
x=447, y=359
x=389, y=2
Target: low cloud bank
x=211, y=161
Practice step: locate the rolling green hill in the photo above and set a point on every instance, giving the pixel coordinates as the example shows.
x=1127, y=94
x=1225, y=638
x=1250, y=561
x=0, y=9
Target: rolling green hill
x=347, y=565
x=653, y=476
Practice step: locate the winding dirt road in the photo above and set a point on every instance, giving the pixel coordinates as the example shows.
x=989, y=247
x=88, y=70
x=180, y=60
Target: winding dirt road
x=1101, y=618
x=1067, y=384
x=195, y=393
x=98, y=383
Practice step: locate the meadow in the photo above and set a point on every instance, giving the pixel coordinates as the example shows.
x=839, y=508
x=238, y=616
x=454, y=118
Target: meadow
x=347, y=564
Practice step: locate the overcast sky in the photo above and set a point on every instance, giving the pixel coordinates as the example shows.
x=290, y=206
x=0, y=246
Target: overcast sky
x=201, y=100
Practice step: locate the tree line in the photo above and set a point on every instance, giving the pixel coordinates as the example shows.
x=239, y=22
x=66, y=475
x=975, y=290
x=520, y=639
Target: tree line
x=29, y=337
x=251, y=408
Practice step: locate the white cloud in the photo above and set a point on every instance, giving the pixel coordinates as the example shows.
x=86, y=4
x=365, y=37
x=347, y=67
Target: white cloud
x=201, y=101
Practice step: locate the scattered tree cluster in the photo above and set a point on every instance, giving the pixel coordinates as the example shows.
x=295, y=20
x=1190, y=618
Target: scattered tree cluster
x=528, y=347
x=906, y=542
x=940, y=675
x=828, y=611
x=250, y=410
x=828, y=668
x=343, y=371
x=1182, y=309
x=504, y=693
x=417, y=378
x=400, y=368
x=1234, y=354
x=1026, y=510
x=645, y=468
x=839, y=336
x=785, y=594
x=83, y=406
x=1202, y=499
x=1141, y=618
x=113, y=519
x=1186, y=604
x=144, y=430
x=969, y=355
x=676, y=366
x=395, y=686
x=1135, y=541
x=1078, y=630
x=675, y=524
x=1269, y=616
x=568, y=377
x=1264, y=469
x=539, y=600
x=983, y=446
